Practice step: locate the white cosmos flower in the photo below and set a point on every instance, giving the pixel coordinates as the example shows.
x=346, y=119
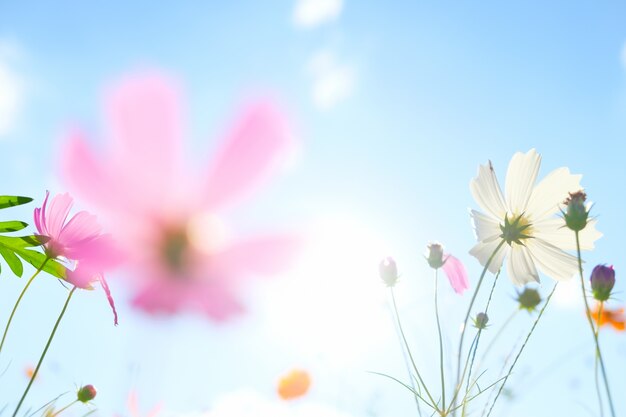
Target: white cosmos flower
x=544, y=238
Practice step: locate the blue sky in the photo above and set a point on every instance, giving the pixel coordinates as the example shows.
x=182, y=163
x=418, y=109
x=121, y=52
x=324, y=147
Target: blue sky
x=396, y=105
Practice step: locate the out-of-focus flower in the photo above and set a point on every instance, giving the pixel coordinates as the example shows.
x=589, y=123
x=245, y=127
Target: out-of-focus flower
x=86, y=393
x=529, y=299
x=453, y=268
x=79, y=240
x=602, y=282
x=29, y=371
x=176, y=246
x=534, y=237
x=612, y=317
x=295, y=384
x=388, y=271
x=133, y=407
x=481, y=320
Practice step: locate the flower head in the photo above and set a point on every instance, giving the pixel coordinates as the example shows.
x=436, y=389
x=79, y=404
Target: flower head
x=602, y=282
x=612, y=317
x=524, y=218
x=529, y=299
x=78, y=240
x=453, y=268
x=294, y=384
x=388, y=271
x=86, y=393
x=170, y=217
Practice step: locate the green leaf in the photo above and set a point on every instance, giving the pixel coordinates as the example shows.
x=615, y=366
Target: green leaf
x=19, y=245
x=14, y=262
x=12, y=226
x=13, y=200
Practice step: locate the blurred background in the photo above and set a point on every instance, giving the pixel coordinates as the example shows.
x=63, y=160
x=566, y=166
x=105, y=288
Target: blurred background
x=395, y=105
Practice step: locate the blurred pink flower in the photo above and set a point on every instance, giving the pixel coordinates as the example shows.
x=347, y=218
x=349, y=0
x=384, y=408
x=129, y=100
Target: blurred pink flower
x=455, y=271
x=177, y=248
x=79, y=240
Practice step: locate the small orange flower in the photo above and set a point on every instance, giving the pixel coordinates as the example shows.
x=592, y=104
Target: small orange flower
x=613, y=317
x=294, y=384
x=29, y=371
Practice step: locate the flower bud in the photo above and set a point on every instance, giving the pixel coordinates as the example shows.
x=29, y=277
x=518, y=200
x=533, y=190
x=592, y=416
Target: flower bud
x=481, y=320
x=576, y=213
x=529, y=299
x=602, y=282
x=388, y=271
x=435, y=255
x=86, y=393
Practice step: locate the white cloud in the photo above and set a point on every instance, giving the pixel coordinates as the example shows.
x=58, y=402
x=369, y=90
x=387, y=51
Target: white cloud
x=312, y=13
x=11, y=88
x=332, y=81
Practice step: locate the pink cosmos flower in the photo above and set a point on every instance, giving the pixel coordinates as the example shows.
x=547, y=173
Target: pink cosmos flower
x=78, y=240
x=169, y=216
x=452, y=267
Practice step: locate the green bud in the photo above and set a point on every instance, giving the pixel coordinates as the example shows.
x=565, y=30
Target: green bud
x=435, y=255
x=481, y=320
x=86, y=393
x=529, y=299
x=576, y=214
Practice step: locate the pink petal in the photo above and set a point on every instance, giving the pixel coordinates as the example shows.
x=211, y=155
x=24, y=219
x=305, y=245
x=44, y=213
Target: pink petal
x=57, y=214
x=40, y=217
x=83, y=226
x=259, y=140
x=101, y=252
x=107, y=291
x=266, y=255
x=456, y=273
x=145, y=128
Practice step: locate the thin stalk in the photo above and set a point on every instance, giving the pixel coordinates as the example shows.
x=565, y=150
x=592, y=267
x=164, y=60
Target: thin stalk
x=469, y=311
x=497, y=336
x=532, y=329
x=17, y=303
x=56, y=413
x=43, y=354
x=595, y=366
x=480, y=331
x=593, y=330
x=443, y=379
x=406, y=345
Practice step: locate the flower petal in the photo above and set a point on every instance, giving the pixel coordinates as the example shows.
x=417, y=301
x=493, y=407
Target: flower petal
x=486, y=191
x=554, y=231
x=485, y=227
x=520, y=267
x=251, y=151
x=551, y=260
x=40, y=217
x=456, y=273
x=483, y=251
x=520, y=180
x=57, y=214
x=81, y=227
x=107, y=292
x=550, y=192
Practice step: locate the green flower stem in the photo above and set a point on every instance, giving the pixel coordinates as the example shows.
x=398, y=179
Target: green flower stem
x=595, y=365
x=467, y=315
x=532, y=329
x=43, y=355
x=19, y=299
x=406, y=345
x=56, y=413
x=443, y=378
x=593, y=330
x=480, y=331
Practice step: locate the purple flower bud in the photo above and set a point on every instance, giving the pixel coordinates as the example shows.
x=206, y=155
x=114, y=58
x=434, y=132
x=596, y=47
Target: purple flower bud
x=388, y=271
x=602, y=282
x=86, y=393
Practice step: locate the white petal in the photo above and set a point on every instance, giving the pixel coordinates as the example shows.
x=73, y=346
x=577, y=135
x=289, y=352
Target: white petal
x=485, y=226
x=551, y=192
x=486, y=191
x=520, y=180
x=554, y=231
x=551, y=260
x=483, y=251
x=520, y=266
